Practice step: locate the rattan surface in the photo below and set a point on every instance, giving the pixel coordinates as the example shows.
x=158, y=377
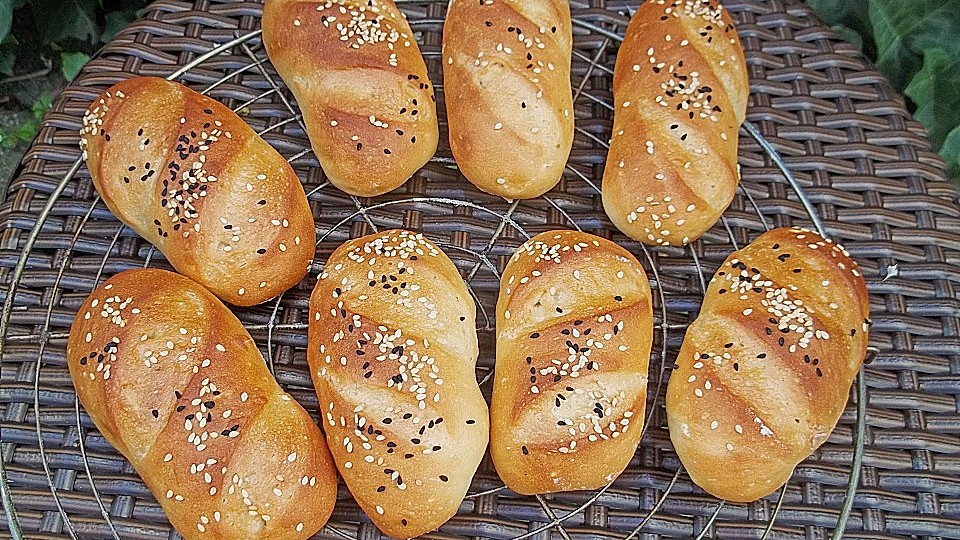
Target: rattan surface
x=864, y=165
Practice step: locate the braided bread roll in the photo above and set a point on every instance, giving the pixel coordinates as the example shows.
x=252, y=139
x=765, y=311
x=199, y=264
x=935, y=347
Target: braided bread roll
x=507, y=91
x=680, y=94
x=765, y=370
x=362, y=85
x=175, y=383
x=392, y=349
x=187, y=174
x=574, y=330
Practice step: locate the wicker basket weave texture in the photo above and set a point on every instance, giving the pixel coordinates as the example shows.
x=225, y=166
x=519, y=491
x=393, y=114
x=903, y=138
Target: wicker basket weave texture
x=862, y=161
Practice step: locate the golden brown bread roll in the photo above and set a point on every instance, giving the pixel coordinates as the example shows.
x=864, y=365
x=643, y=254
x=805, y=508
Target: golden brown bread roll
x=507, y=90
x=680, y=94
x=191, y=177
x=392, y=350
x=765, y=370
x=175, y=383
x=574, y=329
x=356, y=71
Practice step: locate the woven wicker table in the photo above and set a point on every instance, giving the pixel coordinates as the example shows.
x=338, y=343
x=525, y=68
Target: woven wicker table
x=828, y=144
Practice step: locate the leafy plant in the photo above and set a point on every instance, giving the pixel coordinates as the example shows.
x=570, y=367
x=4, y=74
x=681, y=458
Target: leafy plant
x=27, y=130
x=915, y=44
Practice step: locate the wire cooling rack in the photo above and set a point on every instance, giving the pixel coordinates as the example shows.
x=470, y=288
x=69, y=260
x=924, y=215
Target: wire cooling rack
x=60, y=479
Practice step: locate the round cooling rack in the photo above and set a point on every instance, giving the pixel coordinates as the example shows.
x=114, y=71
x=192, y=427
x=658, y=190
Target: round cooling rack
x=828, y=145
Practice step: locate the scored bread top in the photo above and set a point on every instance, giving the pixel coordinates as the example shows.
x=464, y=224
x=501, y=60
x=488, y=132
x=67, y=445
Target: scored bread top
x=175, y=383
x=188, y=175
x=392, y=351
x=574, y=331
x=765, y=369
x=362, y=85
x=680, y=94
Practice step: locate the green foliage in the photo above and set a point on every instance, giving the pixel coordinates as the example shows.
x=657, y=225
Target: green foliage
x=915, y=44
x=26, y=131
x=116, y=20
x=63, y=31
x=6, y=18
x=71, y=63
x=59, y=20
x=43, y=45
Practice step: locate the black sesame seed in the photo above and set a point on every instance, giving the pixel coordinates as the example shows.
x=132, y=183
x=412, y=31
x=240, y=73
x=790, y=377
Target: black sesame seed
x=618, y=298
x=155, y=413
x=535, y=335
x=524, y=450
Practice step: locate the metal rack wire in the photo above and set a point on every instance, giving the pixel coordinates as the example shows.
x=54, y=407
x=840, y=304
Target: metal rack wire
x=633, y=507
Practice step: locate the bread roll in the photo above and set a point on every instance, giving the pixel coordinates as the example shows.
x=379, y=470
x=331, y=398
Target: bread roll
x=574, y=329
x=191, y=177
x=507, y=90
x=680, y=94
x=356, y=71
x=176, y=384
x=392, y=349
x=765, y=370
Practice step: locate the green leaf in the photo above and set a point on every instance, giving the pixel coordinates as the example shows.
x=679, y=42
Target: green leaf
x=848, y=18
x=71, y=63
x=6, y=18
x=905, y=29
x=8, y=55
x=849, y=34
x=936, y=92
x=42, y=105
x=950, y=151
x=115, y=21
x=58, y=20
